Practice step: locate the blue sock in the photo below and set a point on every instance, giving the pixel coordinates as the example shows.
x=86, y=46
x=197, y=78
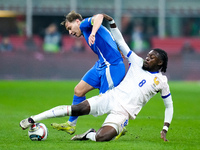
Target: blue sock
x=76, y=100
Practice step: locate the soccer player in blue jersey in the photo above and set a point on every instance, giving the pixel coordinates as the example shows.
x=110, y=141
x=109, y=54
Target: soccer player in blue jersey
x=107, y=72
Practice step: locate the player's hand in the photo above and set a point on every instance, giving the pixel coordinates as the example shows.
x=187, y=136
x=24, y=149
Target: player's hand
x=91, y=39
x=163, y=135
x=107, y=17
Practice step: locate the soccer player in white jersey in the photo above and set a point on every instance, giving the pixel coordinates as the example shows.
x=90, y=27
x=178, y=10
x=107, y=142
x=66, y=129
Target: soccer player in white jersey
x=142, y=81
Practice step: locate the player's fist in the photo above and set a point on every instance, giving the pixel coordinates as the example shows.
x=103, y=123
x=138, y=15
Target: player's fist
x=163, y=135
x=91, y=39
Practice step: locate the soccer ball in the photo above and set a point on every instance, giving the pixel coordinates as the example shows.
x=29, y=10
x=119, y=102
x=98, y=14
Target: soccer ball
x=38, y=132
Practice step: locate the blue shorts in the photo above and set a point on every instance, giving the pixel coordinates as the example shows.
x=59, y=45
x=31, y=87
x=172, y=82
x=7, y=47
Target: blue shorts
x=105, y=78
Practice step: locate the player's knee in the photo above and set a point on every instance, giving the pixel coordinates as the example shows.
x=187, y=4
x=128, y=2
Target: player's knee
x=78, y=92
x=101, y=138
x=105, y=133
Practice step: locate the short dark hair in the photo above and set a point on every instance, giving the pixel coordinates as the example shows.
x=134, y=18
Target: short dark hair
x=71, y=17
x=163, y=57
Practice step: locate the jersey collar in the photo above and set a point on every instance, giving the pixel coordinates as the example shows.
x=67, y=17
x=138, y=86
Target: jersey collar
x=154, y=72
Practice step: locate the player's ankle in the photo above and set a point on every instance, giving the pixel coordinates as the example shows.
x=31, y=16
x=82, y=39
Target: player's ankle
x=71, y=123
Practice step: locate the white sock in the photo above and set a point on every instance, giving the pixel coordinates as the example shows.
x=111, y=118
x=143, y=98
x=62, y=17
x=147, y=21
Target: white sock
x=91, y=136
x=59, y=111
x=73, y=123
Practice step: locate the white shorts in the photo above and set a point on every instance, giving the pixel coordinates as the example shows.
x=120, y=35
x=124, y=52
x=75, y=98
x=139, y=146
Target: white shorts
x=105, y=104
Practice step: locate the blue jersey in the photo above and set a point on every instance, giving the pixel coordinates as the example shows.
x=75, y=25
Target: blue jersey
x=104, y=46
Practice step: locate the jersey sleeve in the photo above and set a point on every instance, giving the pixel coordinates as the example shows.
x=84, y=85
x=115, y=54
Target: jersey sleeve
x=165, y=91
x=86, y=23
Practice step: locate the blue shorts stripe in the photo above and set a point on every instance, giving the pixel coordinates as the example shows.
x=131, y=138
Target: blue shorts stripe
x=106, y=78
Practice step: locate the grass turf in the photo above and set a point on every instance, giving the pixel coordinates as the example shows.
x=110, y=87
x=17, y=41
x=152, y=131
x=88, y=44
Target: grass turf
x=20, y=99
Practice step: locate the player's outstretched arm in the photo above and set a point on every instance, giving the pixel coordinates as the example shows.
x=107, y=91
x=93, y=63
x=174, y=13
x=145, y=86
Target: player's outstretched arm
x=168, y=116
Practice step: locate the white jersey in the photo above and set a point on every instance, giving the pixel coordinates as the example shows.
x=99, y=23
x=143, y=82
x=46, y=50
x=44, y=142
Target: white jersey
x=139, y=86
x=135, y=90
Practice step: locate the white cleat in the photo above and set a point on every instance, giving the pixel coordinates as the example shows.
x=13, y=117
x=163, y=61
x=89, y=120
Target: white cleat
x=82, y=136
x=24, y=124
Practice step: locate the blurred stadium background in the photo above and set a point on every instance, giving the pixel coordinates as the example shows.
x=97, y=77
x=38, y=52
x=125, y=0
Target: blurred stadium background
x=172, y=25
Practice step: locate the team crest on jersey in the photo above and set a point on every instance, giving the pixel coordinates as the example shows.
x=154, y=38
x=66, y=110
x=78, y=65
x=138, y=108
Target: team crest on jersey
x=156, y=82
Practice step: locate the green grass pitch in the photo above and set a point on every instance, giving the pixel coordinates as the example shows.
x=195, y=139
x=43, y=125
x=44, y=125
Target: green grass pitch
x=21, y=99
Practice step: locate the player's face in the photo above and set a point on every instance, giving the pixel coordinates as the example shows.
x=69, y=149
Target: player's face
x=152, y=62
x=73, y=28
